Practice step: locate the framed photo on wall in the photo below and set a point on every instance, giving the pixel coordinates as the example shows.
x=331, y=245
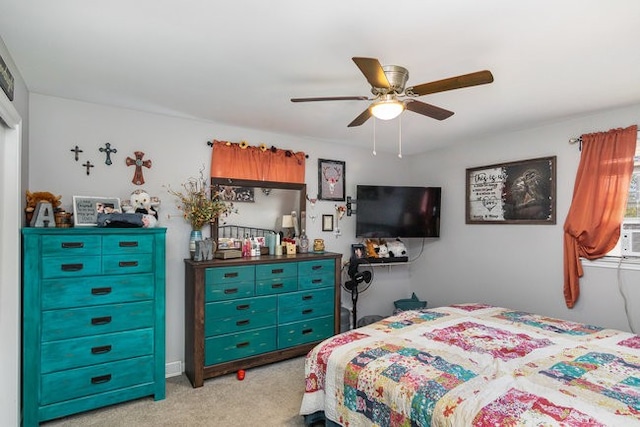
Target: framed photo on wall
x=327, y=222
x=522, y=192
x=331, y=180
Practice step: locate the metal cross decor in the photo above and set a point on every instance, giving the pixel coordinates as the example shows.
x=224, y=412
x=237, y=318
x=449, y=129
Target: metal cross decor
x=77, y=151
x=108, y=150
x=88, y=165
x=138, y=179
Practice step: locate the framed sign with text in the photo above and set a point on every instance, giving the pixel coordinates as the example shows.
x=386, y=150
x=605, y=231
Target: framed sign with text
x=522, y=192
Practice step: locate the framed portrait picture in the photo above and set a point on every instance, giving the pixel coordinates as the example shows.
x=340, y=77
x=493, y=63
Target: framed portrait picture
x=331, y=180
x=86, y=209
x=522, y=192
x=231, y=193
x=327, y=222
x=358, y=251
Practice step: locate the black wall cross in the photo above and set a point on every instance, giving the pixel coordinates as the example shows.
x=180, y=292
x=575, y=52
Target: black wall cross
x=108, y=150
x=88, y=165
x=77, y=151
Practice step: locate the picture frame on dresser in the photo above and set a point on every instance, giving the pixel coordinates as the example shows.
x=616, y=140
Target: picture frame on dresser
x=86, y=209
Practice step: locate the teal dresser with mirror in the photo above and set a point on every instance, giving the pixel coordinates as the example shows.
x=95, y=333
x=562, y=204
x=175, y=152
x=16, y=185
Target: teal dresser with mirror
x=245, y=312
x=93, y=319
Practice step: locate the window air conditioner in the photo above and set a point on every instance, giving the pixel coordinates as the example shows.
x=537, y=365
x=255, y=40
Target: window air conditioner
x=630, y=237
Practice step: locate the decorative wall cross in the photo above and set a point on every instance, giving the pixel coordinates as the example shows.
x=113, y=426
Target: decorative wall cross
x=108, y=150
x=138, y=179
x=88, y=165
x=77, y=151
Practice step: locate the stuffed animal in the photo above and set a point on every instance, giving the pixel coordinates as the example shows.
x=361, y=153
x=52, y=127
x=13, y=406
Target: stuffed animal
x=397, y=249
x=39, y=196
x=141, y=202
x=383, y=251
x=371, y=247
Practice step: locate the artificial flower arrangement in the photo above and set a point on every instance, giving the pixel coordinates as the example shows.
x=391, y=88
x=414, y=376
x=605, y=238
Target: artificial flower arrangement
x=199, y=204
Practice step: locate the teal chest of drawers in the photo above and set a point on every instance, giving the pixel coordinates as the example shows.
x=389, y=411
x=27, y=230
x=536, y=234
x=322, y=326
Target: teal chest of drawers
x=93, y=319
x=246, y=312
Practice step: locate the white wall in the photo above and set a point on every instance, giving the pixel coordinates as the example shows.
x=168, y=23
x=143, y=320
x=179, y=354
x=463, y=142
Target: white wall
x=517, y=266
x=178, y=149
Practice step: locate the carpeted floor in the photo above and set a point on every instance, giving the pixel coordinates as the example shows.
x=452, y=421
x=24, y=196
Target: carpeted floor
x=269, y=396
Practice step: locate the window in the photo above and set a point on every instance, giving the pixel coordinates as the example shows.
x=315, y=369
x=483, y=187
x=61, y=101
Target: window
x=633, y=201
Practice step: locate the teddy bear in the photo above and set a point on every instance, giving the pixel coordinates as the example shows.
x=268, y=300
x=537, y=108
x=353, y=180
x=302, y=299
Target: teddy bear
x=141, y=202
x=40, y=196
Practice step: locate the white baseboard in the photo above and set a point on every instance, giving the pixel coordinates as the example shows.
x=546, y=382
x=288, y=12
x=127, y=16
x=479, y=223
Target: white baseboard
x=173, y=369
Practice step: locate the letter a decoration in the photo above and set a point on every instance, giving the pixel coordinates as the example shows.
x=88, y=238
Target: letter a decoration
x=138, y=179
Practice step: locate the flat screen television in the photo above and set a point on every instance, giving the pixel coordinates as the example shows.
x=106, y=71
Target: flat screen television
x=388, y=211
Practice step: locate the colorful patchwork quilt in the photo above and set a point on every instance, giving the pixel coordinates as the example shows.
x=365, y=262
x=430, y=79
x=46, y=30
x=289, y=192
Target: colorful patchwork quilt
x=475, y=365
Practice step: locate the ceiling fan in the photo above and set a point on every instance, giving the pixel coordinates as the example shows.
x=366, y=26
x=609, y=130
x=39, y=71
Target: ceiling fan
x=390, y=97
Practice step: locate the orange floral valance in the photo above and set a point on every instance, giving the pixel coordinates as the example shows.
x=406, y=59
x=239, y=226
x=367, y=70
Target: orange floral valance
x=241, y=161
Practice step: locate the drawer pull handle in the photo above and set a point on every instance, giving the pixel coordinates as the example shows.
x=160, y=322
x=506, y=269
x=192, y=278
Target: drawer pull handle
x=101, y=320
x=243, y=307
x=242, y=322
x=277, y=271
x=307, y=297
x=316, y=281
x=101, y=350
x=101, y=291
x=101, y=379
x=316, y=267
x=242, y=344
x=133, y=244
x=277, y=286
x=230, y=275
x=307, y=311
x=231, y=291
x=128, y=264
x=72, y=267
x=307, y=331
x=72, y=245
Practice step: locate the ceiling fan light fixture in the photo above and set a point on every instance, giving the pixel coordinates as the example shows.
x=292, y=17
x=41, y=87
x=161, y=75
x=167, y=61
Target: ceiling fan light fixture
x=387, y=109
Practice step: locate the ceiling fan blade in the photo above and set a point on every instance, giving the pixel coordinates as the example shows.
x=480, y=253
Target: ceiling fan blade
x=331, y=98
x=427, y=109
x=466, y=80
x=373, y=71
x=363, y=117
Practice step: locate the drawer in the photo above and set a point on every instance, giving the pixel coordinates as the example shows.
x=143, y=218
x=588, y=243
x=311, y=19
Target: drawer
x=287, y=313
x=228, y=291
x=237, y=346
x=84, y=291
x=318, y=267
x=91, y=380
x=306, y=298
x=240, y=307
x=127, y=244
x=322, y=280
x=79, y=352
x=223, y=275
x=276, y=271
x=292, y=334
x=228, y=325
x=79, y=322
x=71, y=266
x=71, y=245
x=127, y=263
x=276, y=286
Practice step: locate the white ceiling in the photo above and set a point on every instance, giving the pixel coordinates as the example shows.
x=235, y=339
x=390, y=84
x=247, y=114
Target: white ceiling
x=239, y=62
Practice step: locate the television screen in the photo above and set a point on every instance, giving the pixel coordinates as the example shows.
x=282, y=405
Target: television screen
x=387, y=211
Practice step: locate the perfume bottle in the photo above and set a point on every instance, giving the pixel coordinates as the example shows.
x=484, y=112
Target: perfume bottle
x=304, y=243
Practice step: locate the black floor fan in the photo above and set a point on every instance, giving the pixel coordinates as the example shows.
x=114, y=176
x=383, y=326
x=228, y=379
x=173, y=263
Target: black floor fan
x=360, y=276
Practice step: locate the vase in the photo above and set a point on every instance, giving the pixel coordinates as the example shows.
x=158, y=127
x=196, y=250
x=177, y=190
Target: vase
x=193, y=237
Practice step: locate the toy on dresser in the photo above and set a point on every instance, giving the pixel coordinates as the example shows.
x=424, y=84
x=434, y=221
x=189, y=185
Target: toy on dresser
x=141, y=202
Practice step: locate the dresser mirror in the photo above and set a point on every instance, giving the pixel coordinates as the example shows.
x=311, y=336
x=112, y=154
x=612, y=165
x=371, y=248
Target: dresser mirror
x=259, y=204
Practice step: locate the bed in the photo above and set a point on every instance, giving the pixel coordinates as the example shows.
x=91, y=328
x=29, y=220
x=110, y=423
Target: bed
x=474, y=365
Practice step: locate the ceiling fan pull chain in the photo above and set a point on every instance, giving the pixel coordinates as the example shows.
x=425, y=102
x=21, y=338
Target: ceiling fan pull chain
x=400, y=137
x=374, y=136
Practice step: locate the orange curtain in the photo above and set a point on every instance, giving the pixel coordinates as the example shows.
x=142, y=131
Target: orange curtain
x=592, y=227
x=232, y=160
